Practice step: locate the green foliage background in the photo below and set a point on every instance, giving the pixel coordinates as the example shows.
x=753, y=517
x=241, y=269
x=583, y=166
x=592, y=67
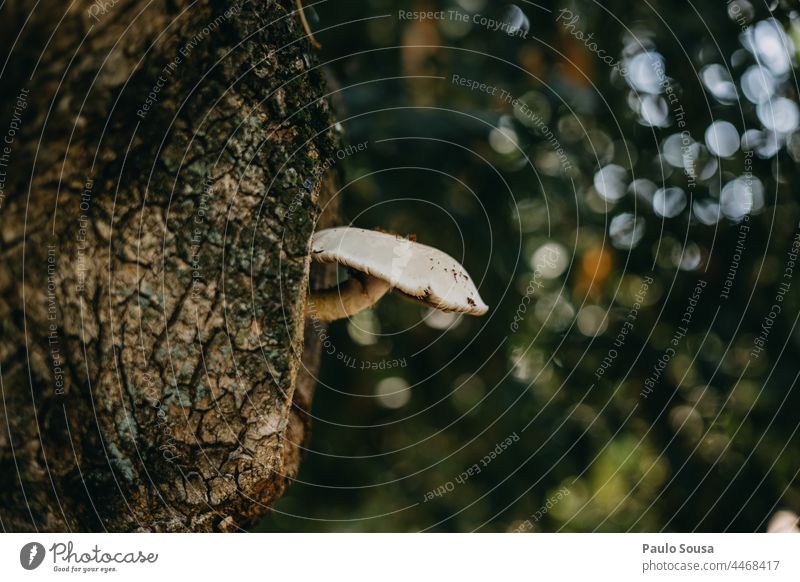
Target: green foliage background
x=715, y=446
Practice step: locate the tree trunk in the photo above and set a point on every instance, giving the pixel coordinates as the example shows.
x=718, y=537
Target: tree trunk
x=161, y=186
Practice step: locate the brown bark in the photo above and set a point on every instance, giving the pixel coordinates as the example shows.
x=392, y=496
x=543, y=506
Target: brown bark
x=155, y=264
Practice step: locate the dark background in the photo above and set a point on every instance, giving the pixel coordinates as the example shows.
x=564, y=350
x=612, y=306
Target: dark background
x=714, y=446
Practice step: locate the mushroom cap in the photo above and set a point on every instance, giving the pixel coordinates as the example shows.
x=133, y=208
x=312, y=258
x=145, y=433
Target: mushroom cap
x=414, y=269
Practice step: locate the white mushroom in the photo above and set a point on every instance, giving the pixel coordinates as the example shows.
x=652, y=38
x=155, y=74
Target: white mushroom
x=379, y=262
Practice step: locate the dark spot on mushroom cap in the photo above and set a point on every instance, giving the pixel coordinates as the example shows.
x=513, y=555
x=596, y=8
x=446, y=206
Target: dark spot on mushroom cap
x=471, y=301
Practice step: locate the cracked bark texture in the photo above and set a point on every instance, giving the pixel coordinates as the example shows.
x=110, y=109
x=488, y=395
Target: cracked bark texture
x=155, y=265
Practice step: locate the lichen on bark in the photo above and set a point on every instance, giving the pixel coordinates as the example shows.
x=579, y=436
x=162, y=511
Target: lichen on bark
x=155, y=237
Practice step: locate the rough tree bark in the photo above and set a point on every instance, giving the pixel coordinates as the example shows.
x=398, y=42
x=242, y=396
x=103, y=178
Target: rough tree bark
x=163, y=179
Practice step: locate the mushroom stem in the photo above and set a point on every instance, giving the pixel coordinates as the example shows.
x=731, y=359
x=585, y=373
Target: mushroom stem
x=306, y=26
x=348, y=298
